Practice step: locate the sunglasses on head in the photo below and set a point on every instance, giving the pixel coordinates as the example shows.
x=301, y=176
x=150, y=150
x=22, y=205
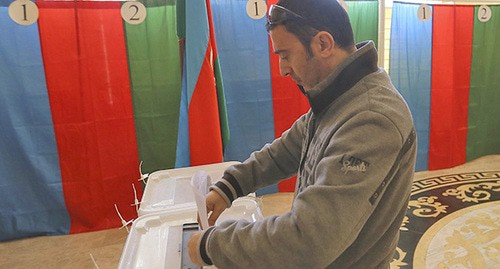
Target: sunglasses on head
x=279, y=15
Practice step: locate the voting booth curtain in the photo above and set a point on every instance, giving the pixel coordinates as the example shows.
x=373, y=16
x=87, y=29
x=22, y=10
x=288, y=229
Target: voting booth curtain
x=446, y=67
x=86, y=97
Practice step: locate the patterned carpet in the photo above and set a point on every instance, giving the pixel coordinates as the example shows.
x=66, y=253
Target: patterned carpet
x=452, y=222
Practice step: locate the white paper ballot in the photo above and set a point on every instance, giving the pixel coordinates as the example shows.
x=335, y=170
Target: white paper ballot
x=200, y=183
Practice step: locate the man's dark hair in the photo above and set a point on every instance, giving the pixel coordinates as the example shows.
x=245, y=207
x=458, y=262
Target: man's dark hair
x=319, y=15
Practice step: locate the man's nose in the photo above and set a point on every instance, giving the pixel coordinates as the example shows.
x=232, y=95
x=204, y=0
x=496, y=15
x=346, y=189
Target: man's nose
x=284, y=69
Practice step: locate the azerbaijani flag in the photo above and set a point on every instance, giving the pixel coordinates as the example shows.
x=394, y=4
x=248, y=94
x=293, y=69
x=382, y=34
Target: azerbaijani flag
x=200, y=139
x=447, y=69
x=69, y=148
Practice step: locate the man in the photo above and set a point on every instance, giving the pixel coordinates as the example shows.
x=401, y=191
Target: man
x=353, y=152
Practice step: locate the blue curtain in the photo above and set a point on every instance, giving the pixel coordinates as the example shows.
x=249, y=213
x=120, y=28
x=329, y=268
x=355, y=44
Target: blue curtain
x=29, y=162
x=410, y=69
x=242, y=43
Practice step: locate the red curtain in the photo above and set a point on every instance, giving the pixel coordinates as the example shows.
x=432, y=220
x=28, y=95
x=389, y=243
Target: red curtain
x=450, y=82
x=86, y=68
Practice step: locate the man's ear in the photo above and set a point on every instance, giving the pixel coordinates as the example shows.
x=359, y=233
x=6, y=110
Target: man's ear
x=325, y=43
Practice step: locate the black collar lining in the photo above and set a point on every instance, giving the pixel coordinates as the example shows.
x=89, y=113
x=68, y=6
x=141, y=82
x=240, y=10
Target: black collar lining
x=347, y=78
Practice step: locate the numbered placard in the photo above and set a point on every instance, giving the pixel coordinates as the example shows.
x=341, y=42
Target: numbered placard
x=256, y=9
x=23, y=12
x=484, y=13
x=133, y=12
x=424, y=12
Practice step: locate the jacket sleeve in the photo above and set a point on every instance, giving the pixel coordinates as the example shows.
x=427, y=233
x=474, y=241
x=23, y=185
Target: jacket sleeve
x=274, y=162
x=327, y=216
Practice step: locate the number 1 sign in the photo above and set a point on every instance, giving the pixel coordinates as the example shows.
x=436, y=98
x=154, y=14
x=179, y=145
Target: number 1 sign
x=256, y=9
x=424, y=12
x=23, y=12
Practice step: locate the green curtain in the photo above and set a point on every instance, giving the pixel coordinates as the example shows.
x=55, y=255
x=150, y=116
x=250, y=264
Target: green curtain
x=155, y=75
x=483, y=137
x=364, y=19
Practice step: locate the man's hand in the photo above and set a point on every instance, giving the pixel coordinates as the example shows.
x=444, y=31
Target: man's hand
x=194, y=252
x=215, y=204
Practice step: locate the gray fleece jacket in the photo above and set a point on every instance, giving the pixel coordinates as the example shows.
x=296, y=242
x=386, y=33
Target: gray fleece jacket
x=354, y=154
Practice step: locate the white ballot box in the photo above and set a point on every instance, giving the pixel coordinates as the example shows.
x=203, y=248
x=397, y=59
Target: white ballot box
x=168, y=215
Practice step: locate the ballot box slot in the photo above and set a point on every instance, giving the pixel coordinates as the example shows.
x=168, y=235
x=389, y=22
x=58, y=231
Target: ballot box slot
x=187, y=230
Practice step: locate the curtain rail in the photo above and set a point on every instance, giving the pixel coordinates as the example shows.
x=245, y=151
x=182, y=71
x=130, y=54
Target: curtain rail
x=448, y=2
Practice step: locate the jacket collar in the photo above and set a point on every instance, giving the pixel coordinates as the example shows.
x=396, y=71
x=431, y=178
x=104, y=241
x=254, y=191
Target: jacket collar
x=344, y=77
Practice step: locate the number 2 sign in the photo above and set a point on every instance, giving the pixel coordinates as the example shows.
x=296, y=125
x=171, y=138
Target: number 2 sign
x=133, y=12
x=23, y=12
x=484, y=13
